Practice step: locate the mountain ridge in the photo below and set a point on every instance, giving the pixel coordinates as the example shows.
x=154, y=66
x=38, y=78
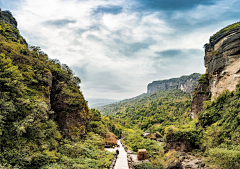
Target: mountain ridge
x=185, y=83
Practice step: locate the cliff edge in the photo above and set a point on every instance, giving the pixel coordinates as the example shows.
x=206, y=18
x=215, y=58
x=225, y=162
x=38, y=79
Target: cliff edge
x=184, y=83
x=222, y=62
x=10, y=32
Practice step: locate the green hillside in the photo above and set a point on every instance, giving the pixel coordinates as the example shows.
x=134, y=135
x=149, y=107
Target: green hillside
x=115, y=107
x=213, y=136
x=40, y=99
x=150, y=112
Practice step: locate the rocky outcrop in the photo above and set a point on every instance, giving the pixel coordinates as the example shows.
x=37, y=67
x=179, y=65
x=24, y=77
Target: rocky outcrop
x=190, y=162
x=182, y=160
x=7, y=17
x=222, y=62
x=178, y=145
x=200, y=95
x=184, y=83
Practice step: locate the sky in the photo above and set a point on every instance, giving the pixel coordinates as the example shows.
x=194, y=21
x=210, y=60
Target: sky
x=117, y=47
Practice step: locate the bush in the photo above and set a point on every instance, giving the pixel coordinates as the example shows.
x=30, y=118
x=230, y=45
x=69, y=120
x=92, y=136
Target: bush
x=147, y=166
x=225, y=158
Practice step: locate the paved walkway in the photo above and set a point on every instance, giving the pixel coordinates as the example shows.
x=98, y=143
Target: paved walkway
x=122, y=158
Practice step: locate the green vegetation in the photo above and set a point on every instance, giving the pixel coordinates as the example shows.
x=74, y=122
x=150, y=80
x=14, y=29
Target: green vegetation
x=154, y=112
x=34, y=92
x=38, y=95
x=134, y=141
x=203, y=78
x=214, y=134
x=147, y=166
x=227, y=29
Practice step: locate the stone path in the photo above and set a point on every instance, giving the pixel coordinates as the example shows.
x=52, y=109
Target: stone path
x=122, y=162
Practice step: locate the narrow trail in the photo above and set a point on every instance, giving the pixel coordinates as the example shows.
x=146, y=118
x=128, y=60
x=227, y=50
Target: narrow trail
x=122, y=162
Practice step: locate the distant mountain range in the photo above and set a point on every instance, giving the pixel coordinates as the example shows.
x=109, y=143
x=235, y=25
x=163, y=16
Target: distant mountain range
x=186, y=83
x=96, y=102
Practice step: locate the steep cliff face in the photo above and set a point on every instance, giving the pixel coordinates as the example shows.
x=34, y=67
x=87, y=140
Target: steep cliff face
x=184, y=83
x=200, y=95
x=222, y=62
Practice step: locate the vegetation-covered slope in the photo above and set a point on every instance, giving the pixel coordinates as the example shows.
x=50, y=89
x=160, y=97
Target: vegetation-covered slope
x=154, y=111
x=214, y=134
x=43, y=114
x=113, y=108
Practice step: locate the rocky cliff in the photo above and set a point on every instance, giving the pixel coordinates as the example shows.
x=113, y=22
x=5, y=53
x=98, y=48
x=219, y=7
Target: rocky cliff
x=184, y=83
x=222, y=62
x=10, y=32
x=7, y=17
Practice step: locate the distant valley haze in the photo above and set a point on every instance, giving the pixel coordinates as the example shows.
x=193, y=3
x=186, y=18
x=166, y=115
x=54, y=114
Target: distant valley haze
x=118, y=47
x=96, y=102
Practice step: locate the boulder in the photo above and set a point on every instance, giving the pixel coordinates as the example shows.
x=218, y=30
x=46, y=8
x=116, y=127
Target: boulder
x=142, y=154
x=175, y=165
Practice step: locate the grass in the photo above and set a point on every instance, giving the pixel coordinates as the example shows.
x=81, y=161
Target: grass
x=227, y=29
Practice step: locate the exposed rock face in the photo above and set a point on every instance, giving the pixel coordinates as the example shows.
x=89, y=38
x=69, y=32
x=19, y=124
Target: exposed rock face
x=199, y=97
x=190, y=162
x=7, y=17
x=184, y=83
x=222, y=62
x=178, y=145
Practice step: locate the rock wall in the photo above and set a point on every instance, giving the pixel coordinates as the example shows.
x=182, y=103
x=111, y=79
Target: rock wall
x=199, y=96
x=222, y=58
x=222, y=62
x=184, y=83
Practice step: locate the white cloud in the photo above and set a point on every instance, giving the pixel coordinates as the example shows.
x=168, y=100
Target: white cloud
x=96, y=45
x=116, y=51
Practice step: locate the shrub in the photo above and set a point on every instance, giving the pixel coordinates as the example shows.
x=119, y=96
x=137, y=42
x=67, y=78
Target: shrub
x=147, y=166
x=225, y=158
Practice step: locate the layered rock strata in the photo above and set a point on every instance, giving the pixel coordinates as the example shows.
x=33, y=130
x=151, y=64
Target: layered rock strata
x=222, y=62
x=184, y=83
x=222, y=58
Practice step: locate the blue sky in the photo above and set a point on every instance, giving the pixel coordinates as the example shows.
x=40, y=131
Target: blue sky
x=117, y=47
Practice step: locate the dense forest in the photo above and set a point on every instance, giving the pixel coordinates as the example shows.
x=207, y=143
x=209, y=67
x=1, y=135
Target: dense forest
x=213, y=136
x=151, y=112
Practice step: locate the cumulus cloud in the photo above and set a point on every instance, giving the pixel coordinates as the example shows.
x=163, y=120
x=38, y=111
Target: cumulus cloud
x=118, y=47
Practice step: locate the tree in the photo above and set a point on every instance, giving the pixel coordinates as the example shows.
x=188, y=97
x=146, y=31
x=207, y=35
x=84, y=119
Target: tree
x=10, y=79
